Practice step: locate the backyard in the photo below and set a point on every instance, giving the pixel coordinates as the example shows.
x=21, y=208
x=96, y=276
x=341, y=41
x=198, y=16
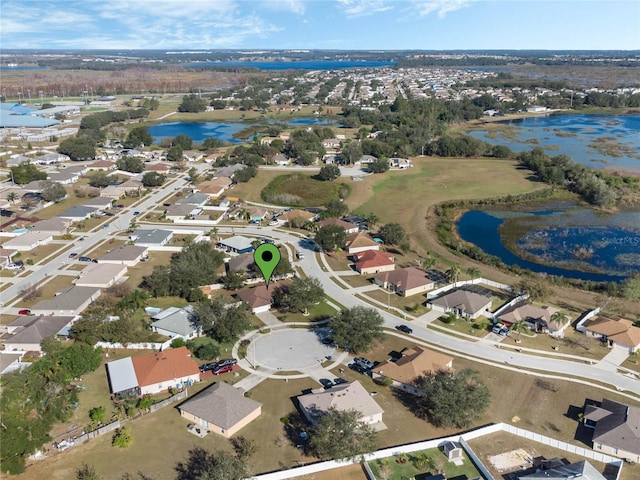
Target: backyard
x=421, y=464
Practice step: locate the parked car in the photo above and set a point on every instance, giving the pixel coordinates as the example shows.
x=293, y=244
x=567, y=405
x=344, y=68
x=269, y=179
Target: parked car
x=24, y=311
x=220, y=369
x=226, y=361
x=339, y=380
x=13, y=266
x=497, y=327
x=363, y=362
x=357, y=368
x=273, y=223
x=73, y=255
x=84, y=259
x=326, y=383
x=205, y=367
x=404, y=328
x=120, y=206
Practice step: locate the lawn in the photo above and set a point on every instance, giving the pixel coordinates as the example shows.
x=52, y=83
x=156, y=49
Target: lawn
x=302, y=190
x=477, y=328
x=501, y=442
x=413, y=304
x=574, y=343
x=49, y=289
x=412, y=467
x=142, y=269
x=320, y=311
x=352, y=472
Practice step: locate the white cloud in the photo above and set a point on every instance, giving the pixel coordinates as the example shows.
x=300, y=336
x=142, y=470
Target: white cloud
x=361, y=8
x=440, y=7
x=294, y=6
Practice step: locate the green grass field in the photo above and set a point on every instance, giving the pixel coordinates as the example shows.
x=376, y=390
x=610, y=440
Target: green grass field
x=303, y=191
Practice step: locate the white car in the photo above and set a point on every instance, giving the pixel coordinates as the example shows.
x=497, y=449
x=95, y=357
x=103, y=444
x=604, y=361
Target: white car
x=13, y=266
x=273, y=223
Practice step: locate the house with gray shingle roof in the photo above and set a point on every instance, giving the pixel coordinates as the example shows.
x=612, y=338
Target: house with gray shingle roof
x=616, y=428
x=176, y=322
x=128, y=255
x=221, y=409
x=582, y=470
x=78, y=213
x=151, y=238
x=463, y=303
x=69, y=302
x=29, y=331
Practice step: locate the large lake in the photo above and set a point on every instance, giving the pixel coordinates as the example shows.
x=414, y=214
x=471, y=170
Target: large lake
x=300, y=65
x=200, y=131
x=560, y=239
x=597, y=141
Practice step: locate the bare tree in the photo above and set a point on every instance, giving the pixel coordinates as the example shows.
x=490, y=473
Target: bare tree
x=30, y=292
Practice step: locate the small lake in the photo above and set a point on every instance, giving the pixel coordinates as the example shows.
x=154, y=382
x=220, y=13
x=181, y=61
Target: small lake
x=224, y=131
x=597, y=141
x=299, y=65
x=560, y=239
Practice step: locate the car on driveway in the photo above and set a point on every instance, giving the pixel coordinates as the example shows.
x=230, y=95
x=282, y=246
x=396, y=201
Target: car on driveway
x=326, y=383
x=358, y=368
x=363, y=362
x=226, y=361
x=205, y=367
x=24, y=311
x=404, y=328
x=13, y=266
x=339, y=381
x=273, y=223
x=220, y=369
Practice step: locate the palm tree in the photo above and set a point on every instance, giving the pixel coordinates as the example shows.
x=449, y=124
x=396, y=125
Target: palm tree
x=453, y=273
x=519, y=327
x=12, y=197
x=473, y=272
x=558, y=319
x=214, y=233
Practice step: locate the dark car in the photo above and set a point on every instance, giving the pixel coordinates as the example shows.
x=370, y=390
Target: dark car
x=205, y=367
x=363, y=362
x=220, y=369
x=404, y=328
x=226, y=361
x=357, y=368
x=84, y=259
x=136, y=213
x=326, y=383
x=338, y=381
x=73, y=255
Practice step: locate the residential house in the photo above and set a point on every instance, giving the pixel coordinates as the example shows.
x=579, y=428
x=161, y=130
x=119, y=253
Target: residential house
x=97, y=202
x=616, y=429
x=128, y=255
x=297, y=214
x=257, y=214
x=176, y=212
x=348, y=227
x=331, y=143
x=78, y=213
x=29, y=331
x=347, y=396
x=229, y=171
x=279, y=159
x=413, y=363
x=236, y=244
x=11, y=362
x=50, y=158
x=258, y=298
x=242, y=263
x=162, y=168
x=71, y=301
x=538, y=319
x=16, y=160
x=151, y=238
x=65, y=177
x=192, y=155
x=374, y=261
x=618, y=333
x=101, y=275
x=360, y=242
x=367, y=159
x=198, y=199
x=130, y=187
x=102, y=165
x=406, y=281
x=54, y=225
x=28, y=241
x=582, y=470
x=221, y=408
x=6, y=256
x=215, y=187
x=400, y=163
x=463, y=303
x=176, y=322
x=152, y=373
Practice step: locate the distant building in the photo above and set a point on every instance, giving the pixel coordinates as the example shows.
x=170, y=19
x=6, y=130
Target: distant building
x=151, y=238
x=29, y=331
x=616, y=429
x=175, y=322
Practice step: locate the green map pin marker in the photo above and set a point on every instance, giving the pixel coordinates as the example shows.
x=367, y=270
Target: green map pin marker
x=267, y=258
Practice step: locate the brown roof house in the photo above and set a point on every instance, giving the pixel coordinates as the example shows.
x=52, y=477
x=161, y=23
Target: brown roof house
x=152, y=373
x=214, y=187
x=28, y=241
x=360, y=242
x=406, y=281
x=54, y=225
x=130, y=187
x=6, y=256
x=414, y=362
x=620, y=333
x=374, y=261
x=258, y=297
x=297, y=213
x=347, y=396
x=348, y=227
x=221, y=409
x=616, y=429
x=538, y=319
x=463, y=303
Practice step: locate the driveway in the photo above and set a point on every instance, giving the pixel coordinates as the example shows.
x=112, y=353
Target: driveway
x=614, y=358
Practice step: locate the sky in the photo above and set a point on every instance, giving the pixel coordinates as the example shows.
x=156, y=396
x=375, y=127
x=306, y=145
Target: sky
x=321, y=24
